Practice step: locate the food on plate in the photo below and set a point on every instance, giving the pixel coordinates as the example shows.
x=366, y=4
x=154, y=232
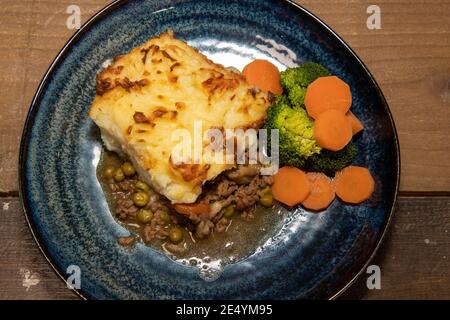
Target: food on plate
x=144, y=215
x=175, y=235
x=192, y=208
x=296, y=80
x=332, y=130
x=264, y=75
x=321, y=191
x=144, y=96
x=290, y=186
x=326, y=93
x=165, y=85
x=329, y=162
x=354, y=184
x=232, y=196
x=296, y=133
x=118, y=175
x=298, y=146
x=356, y=124
x=266, y=199
x=126, y=241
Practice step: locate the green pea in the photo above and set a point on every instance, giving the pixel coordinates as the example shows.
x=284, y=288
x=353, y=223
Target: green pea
x=108, y=172
x=140, y=199
x=228, y=212
x=164, y=216
x=128, y=169
x=141, y=186
x=118, y=175
x=266, y=200
x=175, y=235
x=266, y=190
x=144, y=215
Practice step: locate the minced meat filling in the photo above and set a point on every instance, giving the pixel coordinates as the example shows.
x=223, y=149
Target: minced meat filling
x=234, y=192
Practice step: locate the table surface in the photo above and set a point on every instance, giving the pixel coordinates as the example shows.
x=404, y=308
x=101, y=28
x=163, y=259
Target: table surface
x=409, y=57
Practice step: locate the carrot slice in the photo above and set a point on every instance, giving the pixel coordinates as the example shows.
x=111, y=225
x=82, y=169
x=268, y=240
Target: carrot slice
x=356, y=124
x=264, y=75
x=332, y=130
x=192, y=208
x=291, y=186
x=327, y=93
x=322, y=191
x=354, y=184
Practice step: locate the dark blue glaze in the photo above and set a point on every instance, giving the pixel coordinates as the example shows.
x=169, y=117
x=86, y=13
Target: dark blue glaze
x=315, y=256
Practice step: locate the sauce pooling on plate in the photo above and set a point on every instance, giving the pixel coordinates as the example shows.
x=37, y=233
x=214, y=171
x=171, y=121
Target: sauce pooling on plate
x=236, y=236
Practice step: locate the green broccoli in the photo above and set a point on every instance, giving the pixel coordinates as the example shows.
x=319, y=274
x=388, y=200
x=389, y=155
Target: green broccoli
x=297, y=146
x=295, y=80
x=296, y=137
x=329, y=162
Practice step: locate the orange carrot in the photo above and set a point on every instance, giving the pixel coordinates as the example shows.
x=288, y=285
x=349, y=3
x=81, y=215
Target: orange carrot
x=192, y=208
x=322, y=191
x=354, y=184
x=327, y=93
x=291, y=186
x=332, y=130
x=264, y=75
x=357, y=126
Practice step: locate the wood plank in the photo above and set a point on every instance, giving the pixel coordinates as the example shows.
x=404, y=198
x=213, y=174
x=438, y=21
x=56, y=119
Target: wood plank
x=31, y=34
x=409, y=56
x=24, y=272
x=414, y=259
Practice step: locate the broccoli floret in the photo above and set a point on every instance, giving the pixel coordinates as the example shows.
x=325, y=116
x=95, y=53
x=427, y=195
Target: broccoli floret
x=329, y=162
x=296, y=137
x=295, y=80
x=297, y=146
x=296, y=95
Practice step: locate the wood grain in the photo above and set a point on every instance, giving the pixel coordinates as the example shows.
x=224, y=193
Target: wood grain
x=409, y=57
x=31, y=35
x=24, y=272
x=414, y=258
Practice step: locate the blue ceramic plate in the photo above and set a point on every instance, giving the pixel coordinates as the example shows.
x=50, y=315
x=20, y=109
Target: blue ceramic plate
x=312, y=256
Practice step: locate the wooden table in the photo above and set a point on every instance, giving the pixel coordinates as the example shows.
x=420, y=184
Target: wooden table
x=410, y=58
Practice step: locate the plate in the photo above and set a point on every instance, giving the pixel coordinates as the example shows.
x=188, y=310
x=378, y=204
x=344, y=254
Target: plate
x=313, y=256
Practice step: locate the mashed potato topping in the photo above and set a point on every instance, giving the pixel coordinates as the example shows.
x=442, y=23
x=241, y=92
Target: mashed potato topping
x=160, y=87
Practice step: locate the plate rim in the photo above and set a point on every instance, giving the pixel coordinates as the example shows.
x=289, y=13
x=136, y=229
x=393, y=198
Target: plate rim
x=33, y=110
